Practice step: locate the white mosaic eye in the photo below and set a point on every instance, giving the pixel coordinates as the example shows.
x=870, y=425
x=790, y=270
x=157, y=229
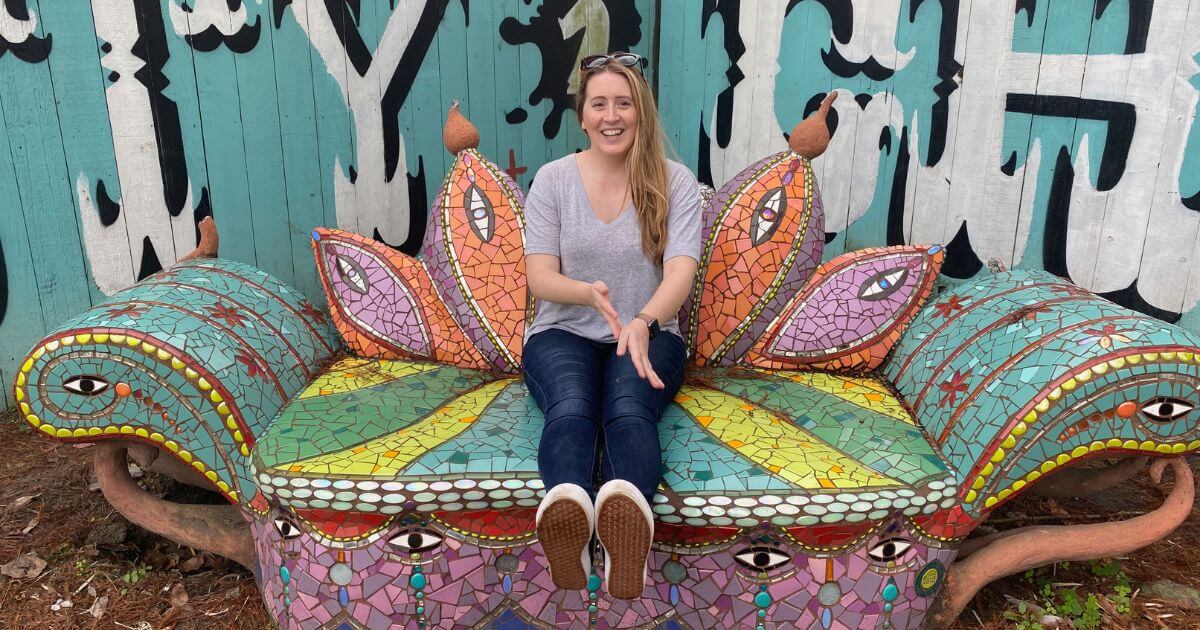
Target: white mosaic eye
x=883, y=284
x=480, y=214
x=286, y=529
x=767, y=215
x=1163, y=409
x=351, y=273
x=415, y=541
x=85, y=385
x=890, y=550
x=761, y=558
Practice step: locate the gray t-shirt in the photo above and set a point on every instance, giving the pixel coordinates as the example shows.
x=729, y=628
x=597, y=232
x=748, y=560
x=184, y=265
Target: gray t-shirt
x=559, y=221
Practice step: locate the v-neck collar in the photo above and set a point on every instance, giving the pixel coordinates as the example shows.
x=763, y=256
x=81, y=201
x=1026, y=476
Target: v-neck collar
x=592, y=208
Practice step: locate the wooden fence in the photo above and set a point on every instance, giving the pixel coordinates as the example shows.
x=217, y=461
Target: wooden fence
x=1055, y=134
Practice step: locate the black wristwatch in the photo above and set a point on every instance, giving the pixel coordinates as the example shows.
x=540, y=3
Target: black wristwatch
x=651, y=323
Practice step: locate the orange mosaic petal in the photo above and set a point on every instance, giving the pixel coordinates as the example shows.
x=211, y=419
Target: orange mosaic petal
x=766, y=239
x=475, y=250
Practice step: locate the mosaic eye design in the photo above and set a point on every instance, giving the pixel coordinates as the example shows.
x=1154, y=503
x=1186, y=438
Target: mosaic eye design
x=481, y=217
x=287, y=530
x=350, y=272
x=890, y=550
x=883, y=284
x=85, y=385
x=767, y=216
x=415, y=541
x=852, y=310
x=761, y=558
x=1166, y=409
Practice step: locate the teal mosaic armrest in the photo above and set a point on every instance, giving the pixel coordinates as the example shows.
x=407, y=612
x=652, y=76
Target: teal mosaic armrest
x=1024, y=372
x=196, y=359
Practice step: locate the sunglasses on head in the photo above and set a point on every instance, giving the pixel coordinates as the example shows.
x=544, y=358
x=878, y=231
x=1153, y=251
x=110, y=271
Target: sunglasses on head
x=627, y=59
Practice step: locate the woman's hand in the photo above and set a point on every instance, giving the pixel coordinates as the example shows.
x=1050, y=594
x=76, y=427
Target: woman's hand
x=598, y=298
x=635, y=337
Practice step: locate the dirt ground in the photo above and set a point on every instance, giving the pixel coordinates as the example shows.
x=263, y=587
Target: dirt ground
x=103, y=572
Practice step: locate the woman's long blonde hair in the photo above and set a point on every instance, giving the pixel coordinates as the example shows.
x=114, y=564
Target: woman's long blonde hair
x=647, y=161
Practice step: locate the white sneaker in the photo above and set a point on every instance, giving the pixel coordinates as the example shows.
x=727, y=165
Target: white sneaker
x=564, y=526
x=625, y=527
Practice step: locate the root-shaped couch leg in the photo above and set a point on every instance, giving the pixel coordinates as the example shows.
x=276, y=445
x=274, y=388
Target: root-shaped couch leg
x=216, y=528
x=1028, y=547
x=1082, y=482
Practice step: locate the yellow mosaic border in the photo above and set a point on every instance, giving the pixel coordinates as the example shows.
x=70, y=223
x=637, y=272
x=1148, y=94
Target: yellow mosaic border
x=216, y=400
x=1048, y=400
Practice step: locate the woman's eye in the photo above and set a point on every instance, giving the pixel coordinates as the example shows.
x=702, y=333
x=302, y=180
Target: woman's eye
x=761, y=558
x=1163, y=409
x=883, y=284
x=890, y=550
x=286, y=529
x=85, y=385
x=415, y=541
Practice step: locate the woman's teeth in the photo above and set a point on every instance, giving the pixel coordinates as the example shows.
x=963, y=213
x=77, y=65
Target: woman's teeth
x=612, y=133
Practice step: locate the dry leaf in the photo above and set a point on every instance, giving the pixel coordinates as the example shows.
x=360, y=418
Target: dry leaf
x=32, y=523
x=21, y=502
x=99, y=607
x=26, y=566
x=61, y=604
x=179, y=596
x=191, y=564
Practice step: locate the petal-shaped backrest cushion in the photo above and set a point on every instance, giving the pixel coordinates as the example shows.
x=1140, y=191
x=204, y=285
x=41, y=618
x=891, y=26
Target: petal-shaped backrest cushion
x=763, y=237
x=383, y=302
x=852, y=311
x=474, y=251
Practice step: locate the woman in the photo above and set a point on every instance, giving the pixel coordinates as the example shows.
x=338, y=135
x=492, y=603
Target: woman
x=612, y=242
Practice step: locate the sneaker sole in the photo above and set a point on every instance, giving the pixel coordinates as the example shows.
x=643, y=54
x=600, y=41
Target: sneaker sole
x=564, y=533
x=622, y=528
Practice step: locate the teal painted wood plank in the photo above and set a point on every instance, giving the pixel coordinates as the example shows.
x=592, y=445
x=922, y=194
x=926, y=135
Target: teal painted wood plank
x=672, y=73
x=506, y=68
x=22, y=322
x=481, y=99
x=716, y=61
x=262, y=135
x=222, y=132
x=1063, y=20
x=179, y=68
x=43, y=187
x=337, y=143
x=78, y=82
x=533, y=141
x=305, y=180
x=691, y=96
x=429, y=117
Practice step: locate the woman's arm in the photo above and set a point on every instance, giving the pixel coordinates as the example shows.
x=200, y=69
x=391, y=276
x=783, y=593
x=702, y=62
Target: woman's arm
x=546, y=282
x=678, y=273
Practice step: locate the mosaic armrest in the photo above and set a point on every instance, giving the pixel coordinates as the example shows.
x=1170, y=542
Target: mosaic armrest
x=1023, y=373
x=195, y=360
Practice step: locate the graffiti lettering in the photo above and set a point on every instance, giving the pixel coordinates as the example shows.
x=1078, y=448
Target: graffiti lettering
x=373, y=200
x=563, y=30
x=147, y=138
x=17, y=28
x=591, y=17
x=212, y=23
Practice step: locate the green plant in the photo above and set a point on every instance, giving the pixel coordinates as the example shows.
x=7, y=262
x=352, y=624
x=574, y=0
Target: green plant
x=137, y=574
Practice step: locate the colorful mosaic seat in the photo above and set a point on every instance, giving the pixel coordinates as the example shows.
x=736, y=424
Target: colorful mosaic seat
x=836, y=441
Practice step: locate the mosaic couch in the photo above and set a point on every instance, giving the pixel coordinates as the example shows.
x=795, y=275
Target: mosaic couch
x=836, y=442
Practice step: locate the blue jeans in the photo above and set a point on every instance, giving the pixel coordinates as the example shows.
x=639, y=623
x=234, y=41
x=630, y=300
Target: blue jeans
x=599, y=413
